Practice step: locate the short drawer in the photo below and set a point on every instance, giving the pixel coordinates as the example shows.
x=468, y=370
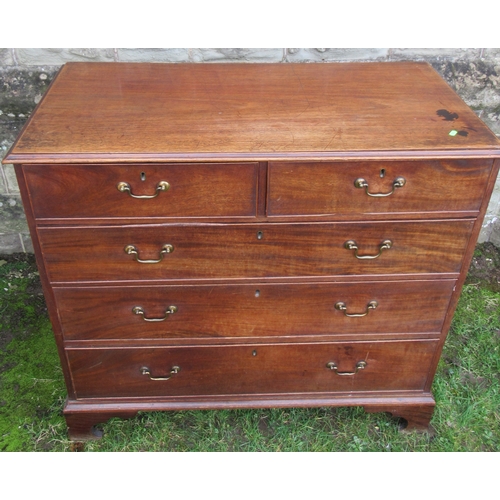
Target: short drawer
x=250, y=369
x=384, y=187
x=211, y=311
x=253, y=251
x=143, y=190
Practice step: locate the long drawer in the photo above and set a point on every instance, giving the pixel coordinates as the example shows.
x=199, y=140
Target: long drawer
x=346, y=188
x=173, y=190
x=260, y=250
x=204, y=311
x=250, y=369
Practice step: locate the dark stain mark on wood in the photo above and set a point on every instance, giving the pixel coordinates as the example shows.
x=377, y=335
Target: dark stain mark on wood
x=449, y=117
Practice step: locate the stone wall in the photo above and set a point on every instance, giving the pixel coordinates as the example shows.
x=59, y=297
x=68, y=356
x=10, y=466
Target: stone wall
x=26, y=73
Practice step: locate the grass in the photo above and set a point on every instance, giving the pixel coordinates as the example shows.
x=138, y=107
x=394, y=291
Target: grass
x=466, y=389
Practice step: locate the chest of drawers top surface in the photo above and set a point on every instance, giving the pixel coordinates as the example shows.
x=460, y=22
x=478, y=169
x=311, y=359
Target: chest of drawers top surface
x=154, y=112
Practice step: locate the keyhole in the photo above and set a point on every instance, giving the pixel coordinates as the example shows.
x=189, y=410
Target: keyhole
x=143, y=176
x=257, y=293
x=260, y=234
x=254, y=353
x=382, y=172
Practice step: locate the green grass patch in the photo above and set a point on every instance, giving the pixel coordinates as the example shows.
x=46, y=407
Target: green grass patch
x=32, y=393
x=31, y=383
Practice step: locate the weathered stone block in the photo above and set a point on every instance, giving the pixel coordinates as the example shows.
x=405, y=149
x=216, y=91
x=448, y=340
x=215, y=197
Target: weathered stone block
x=236, y=55
x=56, y=57
x=491, y=55
x=490, y=230
x=27, y=243
x=3, y=181
x=12, y=218
x=10, y=178
x=200, y=55
x=153, y=55
x=495, y=233
x=495, y=198
x=20, y=91
x=7, y=137
x=332, y=55
x=6, y=57
x=10, y=243
x=434, y=54
x=5, y=144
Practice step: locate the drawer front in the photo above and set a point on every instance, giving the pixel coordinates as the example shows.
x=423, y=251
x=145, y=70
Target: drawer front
x=208, y=311
x=250, y=369
x=245, y=251
x=194, y=190
x=329, y=188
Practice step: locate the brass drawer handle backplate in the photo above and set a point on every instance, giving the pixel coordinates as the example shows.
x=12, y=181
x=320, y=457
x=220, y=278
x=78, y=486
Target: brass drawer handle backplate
x=140, y=311
x=352, y=245
x=132, y=250
x=360, y=365
x=146, y=371
x=399, y=182
x=341, y=306
x=124, y=187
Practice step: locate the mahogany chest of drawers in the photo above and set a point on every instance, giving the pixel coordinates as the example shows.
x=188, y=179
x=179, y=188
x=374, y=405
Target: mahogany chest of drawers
x=252, y=235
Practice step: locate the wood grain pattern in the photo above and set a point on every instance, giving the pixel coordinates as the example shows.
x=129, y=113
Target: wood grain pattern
x=195, y=190
x=234, y=250
x=317, y=188
x=131, y=111
x=204, y=311
x=250, y=369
